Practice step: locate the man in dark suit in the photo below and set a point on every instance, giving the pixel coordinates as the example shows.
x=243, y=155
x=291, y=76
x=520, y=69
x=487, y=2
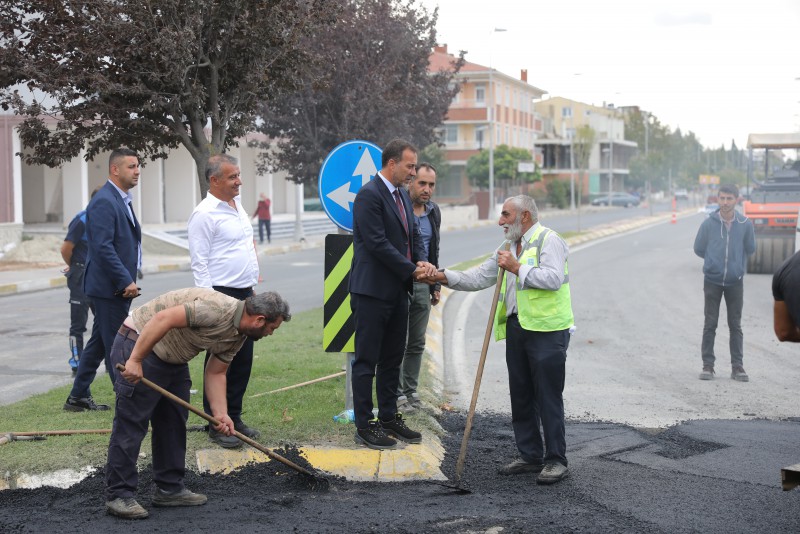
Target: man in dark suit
x=386, y=260
x=114, y=239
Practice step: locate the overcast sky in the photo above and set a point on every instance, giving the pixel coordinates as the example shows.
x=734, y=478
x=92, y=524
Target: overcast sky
x=722, y=69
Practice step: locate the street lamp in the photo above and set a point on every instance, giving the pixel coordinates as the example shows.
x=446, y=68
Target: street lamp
x=491, y=127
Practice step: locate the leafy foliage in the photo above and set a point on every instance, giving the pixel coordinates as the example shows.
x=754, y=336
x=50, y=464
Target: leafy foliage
x=435, y=155
x=148, y=75
x=368, y=79
x=506, y=160
x=582, y=144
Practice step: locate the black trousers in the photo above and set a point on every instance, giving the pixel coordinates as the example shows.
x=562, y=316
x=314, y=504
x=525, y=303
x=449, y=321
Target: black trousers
x=381, y=328
x=136, y=407
x=238, y=374
x=79, y=304
x=536, y=368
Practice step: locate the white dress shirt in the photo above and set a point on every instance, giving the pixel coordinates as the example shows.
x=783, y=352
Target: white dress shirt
x=221, y=245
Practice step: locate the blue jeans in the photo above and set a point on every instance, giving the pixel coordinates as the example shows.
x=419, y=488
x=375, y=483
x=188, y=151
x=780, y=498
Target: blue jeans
x=419, y=310
x=734, y=301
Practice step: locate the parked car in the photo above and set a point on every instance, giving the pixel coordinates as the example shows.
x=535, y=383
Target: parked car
x=708, y=209
x=681, y=193
x=617, y=199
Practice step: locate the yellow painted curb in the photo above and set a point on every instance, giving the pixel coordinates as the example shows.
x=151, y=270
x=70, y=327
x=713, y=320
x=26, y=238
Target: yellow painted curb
x=411, y=462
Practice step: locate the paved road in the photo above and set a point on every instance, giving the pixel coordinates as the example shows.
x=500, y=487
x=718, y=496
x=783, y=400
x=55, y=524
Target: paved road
x=34, y=352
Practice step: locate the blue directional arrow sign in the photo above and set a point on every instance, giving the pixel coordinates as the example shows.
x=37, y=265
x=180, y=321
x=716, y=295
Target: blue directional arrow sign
x=348, y=167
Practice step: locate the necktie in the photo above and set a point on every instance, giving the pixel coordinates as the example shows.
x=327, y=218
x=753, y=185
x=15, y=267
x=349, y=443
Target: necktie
x=405, y=221
x=519, y=248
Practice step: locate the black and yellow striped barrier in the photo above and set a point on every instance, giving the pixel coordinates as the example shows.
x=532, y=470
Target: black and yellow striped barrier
x=338, y=333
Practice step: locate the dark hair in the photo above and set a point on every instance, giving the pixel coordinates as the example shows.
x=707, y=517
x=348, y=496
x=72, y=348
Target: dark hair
x=730, y=189
x=394, y=150
x=269, y=304
x=426, y=165
x=215, y=164
x=119, y=153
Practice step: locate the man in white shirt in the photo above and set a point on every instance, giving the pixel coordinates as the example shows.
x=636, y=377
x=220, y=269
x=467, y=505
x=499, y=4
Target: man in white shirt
x=223, y=257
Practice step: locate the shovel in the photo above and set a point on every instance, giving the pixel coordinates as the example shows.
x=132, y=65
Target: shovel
x=315, y=482
x=462, y=455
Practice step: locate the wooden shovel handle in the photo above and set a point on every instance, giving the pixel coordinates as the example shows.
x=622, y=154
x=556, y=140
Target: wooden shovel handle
x=177, y=400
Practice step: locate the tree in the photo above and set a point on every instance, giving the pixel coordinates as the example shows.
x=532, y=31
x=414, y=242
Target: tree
x=148, y=75
x=369, y=80
x=434, y=155
x=506, y=163
x=582, y=145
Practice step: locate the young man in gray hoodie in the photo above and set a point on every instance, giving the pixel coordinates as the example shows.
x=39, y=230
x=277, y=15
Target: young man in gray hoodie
x=724, y=241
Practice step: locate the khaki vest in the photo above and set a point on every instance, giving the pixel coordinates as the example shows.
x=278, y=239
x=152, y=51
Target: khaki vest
x=538, y=310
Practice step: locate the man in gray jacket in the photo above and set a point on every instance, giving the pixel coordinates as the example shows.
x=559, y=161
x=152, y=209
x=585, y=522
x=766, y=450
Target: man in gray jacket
x=724, y=241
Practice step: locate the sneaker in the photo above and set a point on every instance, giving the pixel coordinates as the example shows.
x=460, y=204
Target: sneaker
x=397, y=428
x=374, y=437
x=75, y=404
x=707, y=373
x=126, y=508
x=227, y=442
x=738, y=374
x=245, y=430
x=415, y=401
x=520, y=466
x=552, y=473
x=183, y=497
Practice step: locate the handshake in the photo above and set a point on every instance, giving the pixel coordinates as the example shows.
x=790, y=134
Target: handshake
x=428, y=273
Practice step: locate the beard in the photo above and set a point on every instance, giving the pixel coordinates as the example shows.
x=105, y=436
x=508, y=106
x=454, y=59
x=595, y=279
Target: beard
x=514, y=230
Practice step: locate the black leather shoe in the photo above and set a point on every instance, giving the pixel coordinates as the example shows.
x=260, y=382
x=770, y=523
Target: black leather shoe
x=228, y=442
x=245, y=430
x=75, y=404
x=520, y=466
x=183, y=497
x=397, y=428
x=374, y=437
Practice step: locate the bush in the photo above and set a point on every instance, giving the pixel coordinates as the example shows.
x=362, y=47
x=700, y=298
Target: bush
x=558, y=193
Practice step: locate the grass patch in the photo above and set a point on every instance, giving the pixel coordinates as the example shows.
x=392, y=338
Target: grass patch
x=302, y=416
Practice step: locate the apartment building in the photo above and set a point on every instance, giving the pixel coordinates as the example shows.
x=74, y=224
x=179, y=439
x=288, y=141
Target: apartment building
x=489, y=102
x=608, y=167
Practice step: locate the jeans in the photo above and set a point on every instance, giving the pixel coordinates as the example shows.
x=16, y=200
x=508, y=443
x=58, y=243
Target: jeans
x=734, y=300
x=264, y=224
x=419, y=310
x=79, y=304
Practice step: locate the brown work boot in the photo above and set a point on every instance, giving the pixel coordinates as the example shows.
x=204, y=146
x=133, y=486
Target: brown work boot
x=126, y=508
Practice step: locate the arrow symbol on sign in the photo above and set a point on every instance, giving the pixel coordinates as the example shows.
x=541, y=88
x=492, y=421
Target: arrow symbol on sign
x=343, y=196
x=366, y=168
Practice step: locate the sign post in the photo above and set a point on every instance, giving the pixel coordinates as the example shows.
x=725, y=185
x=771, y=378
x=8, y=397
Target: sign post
x=345, y=170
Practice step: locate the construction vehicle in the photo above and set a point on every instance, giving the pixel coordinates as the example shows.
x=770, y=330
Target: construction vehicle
x=773, y=204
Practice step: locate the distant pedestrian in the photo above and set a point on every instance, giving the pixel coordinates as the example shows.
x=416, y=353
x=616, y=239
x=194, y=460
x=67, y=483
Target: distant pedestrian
x=786, y=292
x=115, y=253
x=73, y=251
x=428, y=219
x=157, y=341
x=724, y=241
x=223, y=256
x=264, y=218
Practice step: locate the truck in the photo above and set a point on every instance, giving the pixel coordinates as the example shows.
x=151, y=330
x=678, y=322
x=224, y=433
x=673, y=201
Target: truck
x=773, y=203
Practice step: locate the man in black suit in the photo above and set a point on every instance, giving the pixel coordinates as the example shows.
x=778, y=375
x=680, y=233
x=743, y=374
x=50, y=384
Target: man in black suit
x=386, y=260
x=114, y=238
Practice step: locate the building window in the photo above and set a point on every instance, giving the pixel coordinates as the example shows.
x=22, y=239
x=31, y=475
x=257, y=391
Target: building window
x=566, y=112
x=479, y=137
x=450, y=185
x=451, y=134
x=480, y=94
